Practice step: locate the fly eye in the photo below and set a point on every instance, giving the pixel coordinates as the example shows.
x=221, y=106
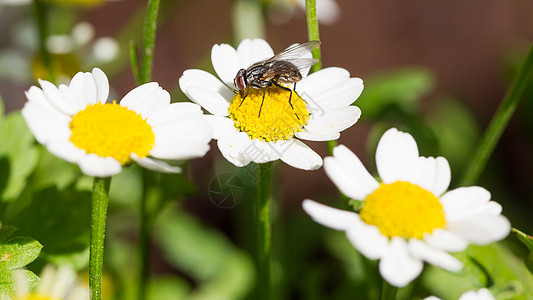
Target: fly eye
x=240, y=83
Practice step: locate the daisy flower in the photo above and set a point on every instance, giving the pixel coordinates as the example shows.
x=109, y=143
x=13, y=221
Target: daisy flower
x=408, y=218
x=482, y=294
x=54, y=283
x=75, y=123
x=319, y=111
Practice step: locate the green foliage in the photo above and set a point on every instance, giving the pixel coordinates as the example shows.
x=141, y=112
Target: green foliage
x=528, y=241
x=15, y=253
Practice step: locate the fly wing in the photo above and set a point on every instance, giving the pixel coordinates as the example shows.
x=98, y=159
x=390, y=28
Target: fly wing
x=296, y=51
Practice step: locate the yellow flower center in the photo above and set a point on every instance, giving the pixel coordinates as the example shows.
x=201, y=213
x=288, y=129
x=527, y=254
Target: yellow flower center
x=278, y=120
x=403, y=209
x=110, y=130
x=37, y=297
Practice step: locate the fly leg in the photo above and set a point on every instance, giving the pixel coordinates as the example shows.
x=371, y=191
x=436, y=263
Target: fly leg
x=247, y=91
x=290, y=96
x=261, y=107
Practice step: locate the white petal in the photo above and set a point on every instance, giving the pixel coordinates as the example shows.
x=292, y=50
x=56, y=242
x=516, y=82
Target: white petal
x=102, y=85
x=482, y=294
x=421, y=250
x=232, y=147
x=252, y=51
x=146, y=98
x=174, y=111
x=348, y=173
x=225, y=62
x=333, y=121
x=328, y=11
x=481, y=229
x=432, y=174
x=212, y=102
x=446, y=240
x=45, y=126
x=299, y=155
x=322, y=81
x=432, y=298
x=397, y=266
x=343, y=93
x=396, y=156
x=84, y=89
x=56, y=98
x=222, y=126
x=260, y=152
x=179, y=151
x=367, y=239
x=464, y=201
x=205, y=81
x=328, y=216
x=308, y=136
x=97, y=166
x=155, y=164
x=175, y=132
x=66, y=150
x=443, y=176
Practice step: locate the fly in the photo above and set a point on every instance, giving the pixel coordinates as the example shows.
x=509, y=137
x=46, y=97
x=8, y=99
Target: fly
x=282, y=68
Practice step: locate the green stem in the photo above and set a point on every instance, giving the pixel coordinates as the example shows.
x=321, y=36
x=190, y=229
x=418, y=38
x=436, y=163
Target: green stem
x=100, y=198
x=312, y=31
x=264, y=230
x=499, y=122
x=388, y=292
x=150, y=25
x=41, y=16
x=145, y=237
x=248, y=20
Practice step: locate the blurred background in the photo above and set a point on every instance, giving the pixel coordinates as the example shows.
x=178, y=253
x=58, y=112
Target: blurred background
x=437, y=69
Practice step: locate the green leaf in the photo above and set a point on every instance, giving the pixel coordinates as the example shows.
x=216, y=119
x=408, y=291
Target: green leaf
x=163, y=288
x=18, y=147
x=53, y=171
x=19, y=251
x=6, y=232
x=401, y=87
x=528, y=241
x=206, y=255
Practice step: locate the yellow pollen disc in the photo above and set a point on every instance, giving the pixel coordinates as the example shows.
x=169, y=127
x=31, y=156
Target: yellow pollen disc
x=37, y=297
x=403, y=209
x=278, y=120
x=110, y=130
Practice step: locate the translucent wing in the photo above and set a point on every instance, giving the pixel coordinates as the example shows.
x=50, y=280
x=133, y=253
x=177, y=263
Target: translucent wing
x=296, y=51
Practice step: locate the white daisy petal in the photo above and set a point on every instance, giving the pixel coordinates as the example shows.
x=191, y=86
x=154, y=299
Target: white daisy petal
x=423, y=173
x=348, y=173
x=328, y=216
x=260, y=152
x=84, y=89
x=462, y=201
x=155, y=164
x=141, y=98
x=341, y=94
x=443, y=176
x=446, y=240
x=97, y=166
x=174, y=111
x=367, y=239
x=179, y=150
x=226, y=62
x=333, y=121
x=45, y=126
x=481, y=229
x=222, y=126
x=102, y=85
x=158, y=101
x=396, y=155
x=214, y=103
x=421, y=250
x=233, y=146
x=397, y=266
x=252, y=51
x=55, y=97
x=204, y=80
x=174, y=132
x=66, y=150
x=308, y=136
x=482, y=294
x=299, y=155
x=322, y=81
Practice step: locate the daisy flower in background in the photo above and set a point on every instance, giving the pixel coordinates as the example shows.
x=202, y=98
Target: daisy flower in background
x=319, y=111
x=54, y=283
x=75, y=123
x=409, y=218
x=482, y=294
x=280, y=11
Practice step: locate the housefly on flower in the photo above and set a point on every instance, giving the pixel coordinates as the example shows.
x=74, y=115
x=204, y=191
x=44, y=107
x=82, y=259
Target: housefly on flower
x=282, y=68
